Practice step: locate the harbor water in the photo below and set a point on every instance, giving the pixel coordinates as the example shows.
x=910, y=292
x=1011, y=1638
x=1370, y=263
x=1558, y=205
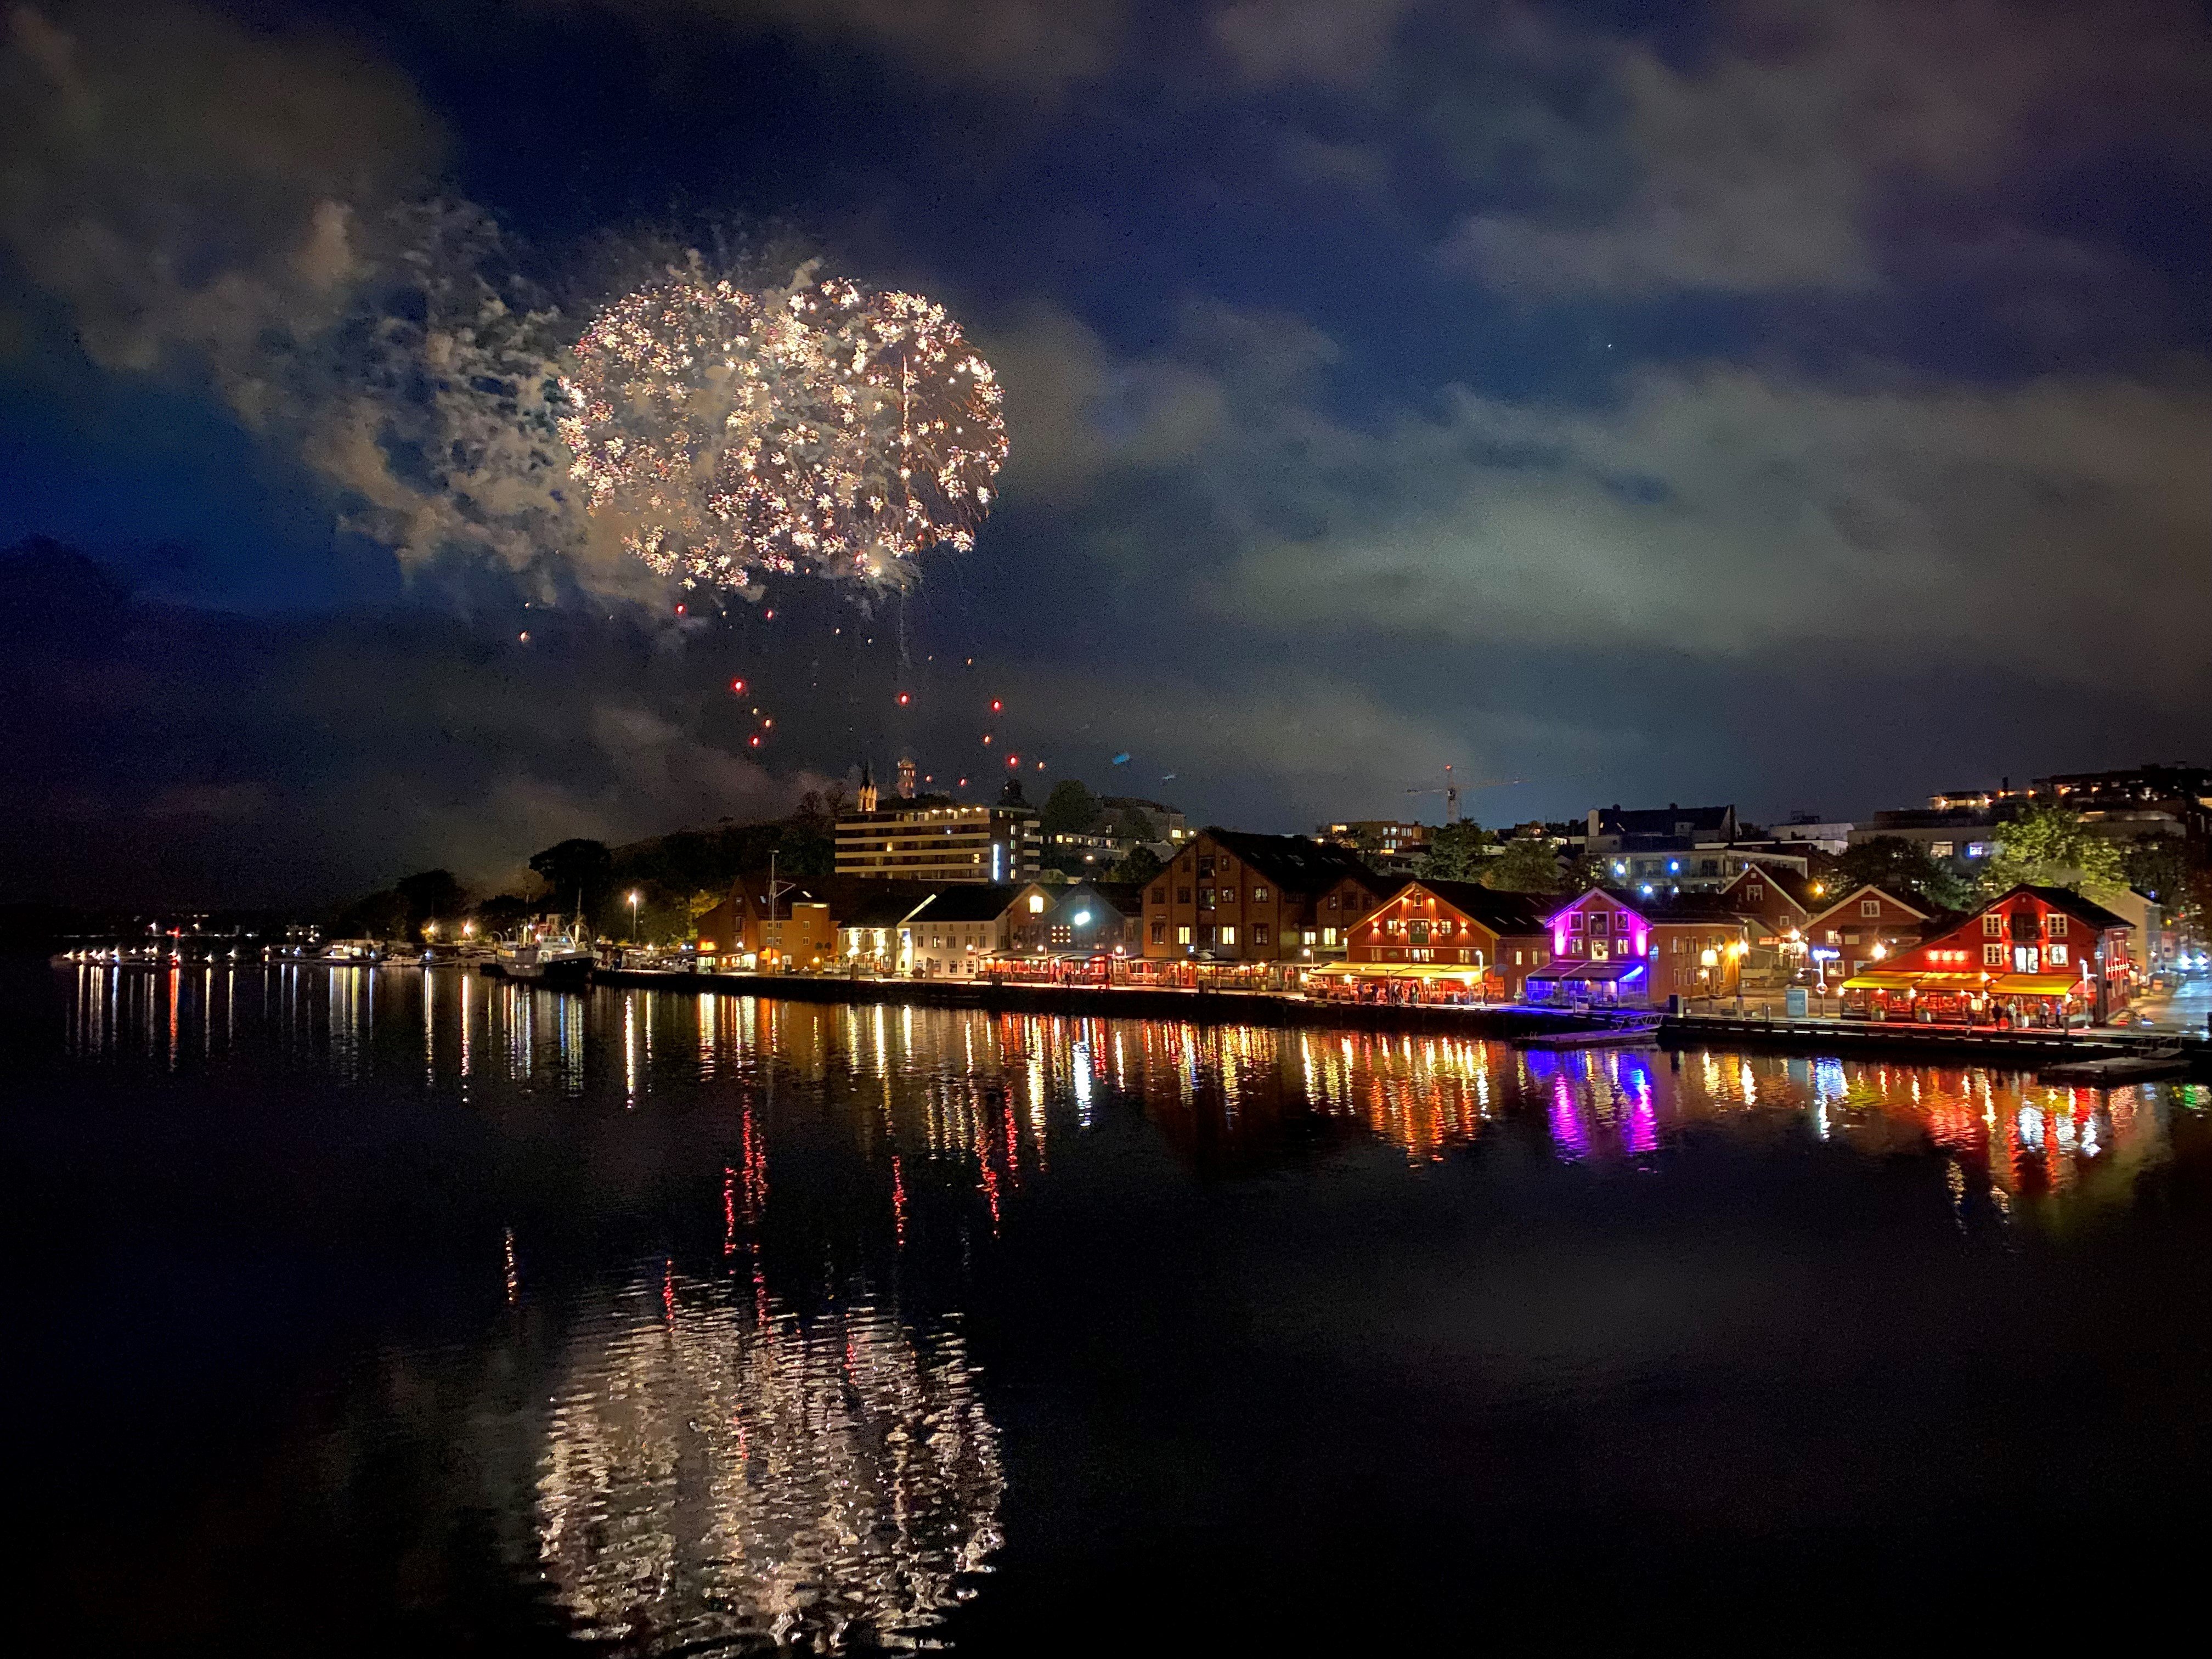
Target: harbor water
x=402, y=1310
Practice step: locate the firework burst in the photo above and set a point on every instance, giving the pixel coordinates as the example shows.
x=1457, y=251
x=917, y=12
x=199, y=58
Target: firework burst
x=824, y=427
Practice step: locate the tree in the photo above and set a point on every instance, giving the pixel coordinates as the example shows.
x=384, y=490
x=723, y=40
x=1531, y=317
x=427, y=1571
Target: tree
x=2050, y=847
x=819, y=811
x=577, y=873
x=2159, y=867
x=1070, y=810
x=1903, y=867
x=1528, y=864
x=431, y=895
x=1455, y=854
x=381, y=915
x=1582, y=874
x=1140, y=866
x=504, y=912
x=1137, y=824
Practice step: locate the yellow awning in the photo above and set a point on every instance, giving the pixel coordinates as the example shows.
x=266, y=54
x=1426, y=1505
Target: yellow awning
x=1950, y=981
x=2037, y=985
x=1400, y=970
x=1882, y=982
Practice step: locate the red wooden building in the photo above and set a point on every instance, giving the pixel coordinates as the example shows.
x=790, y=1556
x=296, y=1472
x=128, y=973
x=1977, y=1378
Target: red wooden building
x=2035, y=956
x=1450, y=938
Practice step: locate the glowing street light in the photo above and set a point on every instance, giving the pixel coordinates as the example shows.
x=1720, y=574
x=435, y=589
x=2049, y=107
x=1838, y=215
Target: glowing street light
x=632, y=914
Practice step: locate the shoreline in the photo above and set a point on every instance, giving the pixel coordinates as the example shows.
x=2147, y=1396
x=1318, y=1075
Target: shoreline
x=1921, y=1045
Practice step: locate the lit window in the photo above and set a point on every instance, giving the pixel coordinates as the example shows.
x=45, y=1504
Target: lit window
x=1259, y=933
x=1993, y=956
x=1328, y=936
x=2056, y=955
x=1229, y=935
x=1258, y=896
x=2055, y=925
x=1992, y=927
x=1870, y=907
x=1942, y=849
x=1036, y=904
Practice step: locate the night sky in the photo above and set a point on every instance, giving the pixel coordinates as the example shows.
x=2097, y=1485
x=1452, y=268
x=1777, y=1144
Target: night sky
x=1804, y=405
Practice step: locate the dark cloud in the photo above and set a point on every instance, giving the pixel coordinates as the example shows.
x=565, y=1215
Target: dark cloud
x=181, y=754
x=1390, y=383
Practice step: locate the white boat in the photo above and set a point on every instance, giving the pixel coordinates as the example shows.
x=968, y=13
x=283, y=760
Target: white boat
x=559, y=963
x=351, y=953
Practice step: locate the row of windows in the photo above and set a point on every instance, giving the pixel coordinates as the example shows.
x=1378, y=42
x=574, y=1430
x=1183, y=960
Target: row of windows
x=1208, y=934
x=2054, y=925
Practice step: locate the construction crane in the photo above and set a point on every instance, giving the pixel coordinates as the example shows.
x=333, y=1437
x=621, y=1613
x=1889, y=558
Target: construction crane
x=1449, y=789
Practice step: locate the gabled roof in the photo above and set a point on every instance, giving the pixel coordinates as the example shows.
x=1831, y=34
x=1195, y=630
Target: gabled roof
x=1925, y=913
x=1667, y=907
x=1125, y=896
x=1502, y=913
x=884, y=909
x=974, y=901
x=2086, y=911
x=1797, y=889
x=1294, y=863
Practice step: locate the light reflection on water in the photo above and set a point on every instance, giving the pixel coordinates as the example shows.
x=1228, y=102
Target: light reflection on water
x=741, y=1445
x=715, y=1469
x=995, y=1088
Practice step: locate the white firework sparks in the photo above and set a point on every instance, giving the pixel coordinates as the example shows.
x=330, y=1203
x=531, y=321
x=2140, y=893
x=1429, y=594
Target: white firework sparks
x=732, y=434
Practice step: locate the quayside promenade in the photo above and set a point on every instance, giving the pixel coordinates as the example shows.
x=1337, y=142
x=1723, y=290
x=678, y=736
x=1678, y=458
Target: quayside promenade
x=1921, y=1043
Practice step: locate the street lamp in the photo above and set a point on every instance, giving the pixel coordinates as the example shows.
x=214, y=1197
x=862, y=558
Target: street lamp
x=633, y=915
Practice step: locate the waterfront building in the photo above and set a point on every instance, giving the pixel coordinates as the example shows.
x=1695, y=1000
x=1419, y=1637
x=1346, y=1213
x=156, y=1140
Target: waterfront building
x=1229, y=896
x=869, y=919
x=1862, y=929
x=944, y=843
x=951, y=933
x=2036, y=954
x=1457, y=931
x=1612, y=946
x=1090, y=918
x=794, y=929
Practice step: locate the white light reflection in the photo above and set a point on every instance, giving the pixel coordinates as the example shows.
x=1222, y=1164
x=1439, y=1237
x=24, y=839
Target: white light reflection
x=717, y=1471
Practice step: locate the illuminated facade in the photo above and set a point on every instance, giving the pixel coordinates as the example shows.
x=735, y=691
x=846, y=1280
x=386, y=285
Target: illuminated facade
x=1862, y=929
x=2036, y=954
x=1450, y=929
x=795, y=930
x=940, y=843
x=1232, y=897
x=1608, y=947
x=953, y=933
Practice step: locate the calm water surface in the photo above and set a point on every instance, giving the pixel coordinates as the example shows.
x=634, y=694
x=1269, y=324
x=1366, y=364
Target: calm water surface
x=403, y=1313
